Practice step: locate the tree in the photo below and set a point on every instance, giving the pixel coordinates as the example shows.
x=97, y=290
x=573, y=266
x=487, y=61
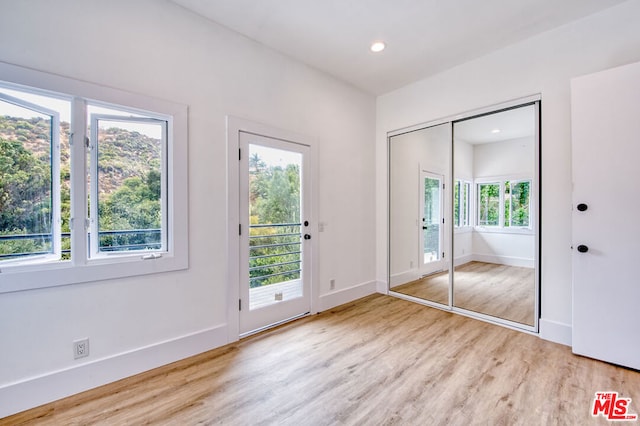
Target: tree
x=135, y=205
x=25, y=190
x=274, y=199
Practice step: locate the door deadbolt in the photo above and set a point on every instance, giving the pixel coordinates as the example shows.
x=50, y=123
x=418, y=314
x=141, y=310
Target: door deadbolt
x=582, y=207
x=582, y=248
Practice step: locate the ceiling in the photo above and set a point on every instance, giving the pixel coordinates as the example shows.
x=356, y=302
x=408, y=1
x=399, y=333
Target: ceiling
x=423, y=37
x=500, y=126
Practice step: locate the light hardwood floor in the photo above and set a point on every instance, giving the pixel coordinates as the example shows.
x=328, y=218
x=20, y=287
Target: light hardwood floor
x=379, y=360
x=501, y=291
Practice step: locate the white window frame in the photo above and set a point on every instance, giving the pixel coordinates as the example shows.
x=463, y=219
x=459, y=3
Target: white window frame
x=81, y=267
x=94, y=182
x=55, y=180
x=458, y=223
x=501, y=181
x=511, y=183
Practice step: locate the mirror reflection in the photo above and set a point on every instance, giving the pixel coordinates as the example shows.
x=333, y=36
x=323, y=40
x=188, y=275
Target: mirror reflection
x=419, y=238
x=464, y=195
x=494, y=214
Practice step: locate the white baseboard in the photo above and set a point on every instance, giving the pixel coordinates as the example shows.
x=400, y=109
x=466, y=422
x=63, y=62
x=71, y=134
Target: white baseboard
x=382, y=287
x=339, y=297
x=35, y=391
x=405, y=277
x=504, y=260
x=555, y=332
x=461, y=260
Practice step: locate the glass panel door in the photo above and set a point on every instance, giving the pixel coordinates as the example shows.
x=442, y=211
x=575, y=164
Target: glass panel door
x=275, y=279
x=431, y=219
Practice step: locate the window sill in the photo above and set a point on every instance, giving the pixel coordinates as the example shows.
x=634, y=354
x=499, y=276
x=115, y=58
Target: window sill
x=43, y=275
x=499, y=230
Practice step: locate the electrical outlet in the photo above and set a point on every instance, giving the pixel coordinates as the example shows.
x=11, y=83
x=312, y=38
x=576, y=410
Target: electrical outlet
x=332, y=285
x=81, y=348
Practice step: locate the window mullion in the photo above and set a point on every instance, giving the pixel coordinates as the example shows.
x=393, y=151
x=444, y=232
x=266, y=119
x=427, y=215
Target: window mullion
x=94, y=228
x=501, y=205
x=55, y=185
x=78, y=182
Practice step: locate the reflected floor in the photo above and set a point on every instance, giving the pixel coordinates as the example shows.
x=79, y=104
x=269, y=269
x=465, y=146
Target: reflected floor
x=501, y=291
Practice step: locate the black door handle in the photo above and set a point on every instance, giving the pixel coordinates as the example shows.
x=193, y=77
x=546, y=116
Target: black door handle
x=582, y=248
x=425, y=227
x=582, y=207
x=307, y=236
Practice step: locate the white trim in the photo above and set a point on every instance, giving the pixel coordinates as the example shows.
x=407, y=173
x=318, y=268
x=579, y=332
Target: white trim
x=405, y=276
x=504, y=260
x=461, y=260
x=346, y=295
x=35, y=391
x=555, y=331
x=467, y=114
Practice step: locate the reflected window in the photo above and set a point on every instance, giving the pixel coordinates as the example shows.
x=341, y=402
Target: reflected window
x=461, y=197
x=517, y=202
x=504, y=204
x=489, y=204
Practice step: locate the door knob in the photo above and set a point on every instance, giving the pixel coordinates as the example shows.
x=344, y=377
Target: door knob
x=582, y=248
x=425, y=227
x=307, y=236
x=582, y=207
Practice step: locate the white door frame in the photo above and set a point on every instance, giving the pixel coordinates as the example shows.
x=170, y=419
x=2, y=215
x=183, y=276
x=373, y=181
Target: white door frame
x=441, y=263
x=236, y=125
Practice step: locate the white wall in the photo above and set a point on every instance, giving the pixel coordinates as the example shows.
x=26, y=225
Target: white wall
x=515, y=157
x=159, y=49
x=543, y=64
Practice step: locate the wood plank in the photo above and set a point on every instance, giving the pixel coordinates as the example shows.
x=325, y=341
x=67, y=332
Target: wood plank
x=379, y=360
x=501, y=291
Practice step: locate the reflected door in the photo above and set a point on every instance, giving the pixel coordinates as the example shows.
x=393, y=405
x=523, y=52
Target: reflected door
x=432, y=223
x=275, y=237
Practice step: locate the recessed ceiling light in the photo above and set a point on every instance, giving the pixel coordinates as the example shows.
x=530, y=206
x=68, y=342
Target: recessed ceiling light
x=377, y=46
x=495, y=131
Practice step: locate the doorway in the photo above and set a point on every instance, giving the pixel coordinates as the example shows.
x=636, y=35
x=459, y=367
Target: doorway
x=274, y=268
x=432, y=223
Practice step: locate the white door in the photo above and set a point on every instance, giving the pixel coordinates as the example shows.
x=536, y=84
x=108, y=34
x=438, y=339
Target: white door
x=432, y=223
x=275, y=278
x=606, y=206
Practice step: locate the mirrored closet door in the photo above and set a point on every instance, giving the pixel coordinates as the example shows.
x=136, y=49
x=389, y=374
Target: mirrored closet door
x=419, y=167
x=463, y=214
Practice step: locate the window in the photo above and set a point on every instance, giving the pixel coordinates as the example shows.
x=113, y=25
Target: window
x=87, y=182
x=517, y=202
x=128, y=190
x=489, y=204
x=29, y=180
x=504, y=204
x=461, y=204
